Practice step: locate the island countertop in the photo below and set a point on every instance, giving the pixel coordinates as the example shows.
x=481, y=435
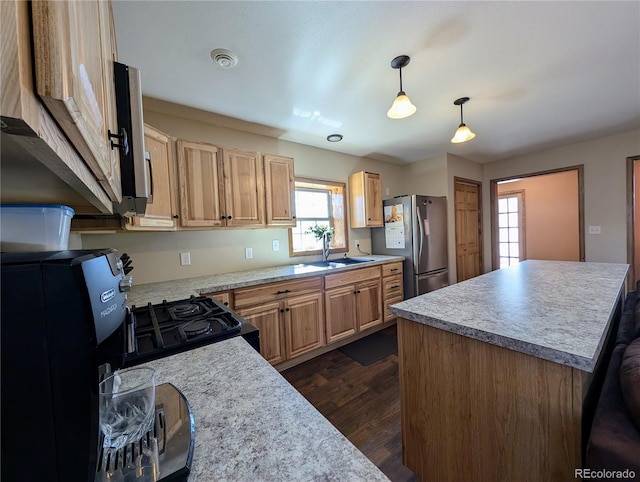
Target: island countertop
x=556, y=310
x=252, y=425
x=183, y=288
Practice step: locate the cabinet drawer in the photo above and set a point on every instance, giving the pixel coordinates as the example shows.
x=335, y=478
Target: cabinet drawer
x=275, y=291
x=353, y=276
x=392, y=268
x=392, y=287
x=387, y=303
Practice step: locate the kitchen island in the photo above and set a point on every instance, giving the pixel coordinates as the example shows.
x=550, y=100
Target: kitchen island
x=252, y=425
x=496, y=371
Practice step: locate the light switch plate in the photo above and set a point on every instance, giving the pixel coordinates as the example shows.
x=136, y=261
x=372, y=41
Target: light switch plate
x=275, y=245
x=248, y=253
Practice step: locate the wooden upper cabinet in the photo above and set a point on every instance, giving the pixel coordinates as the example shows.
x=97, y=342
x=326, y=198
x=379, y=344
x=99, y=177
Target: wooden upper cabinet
x=365, y=200
x=243, y=188
x=280, y=190
x=162, y=206
x=200, y=184
x=74, y=50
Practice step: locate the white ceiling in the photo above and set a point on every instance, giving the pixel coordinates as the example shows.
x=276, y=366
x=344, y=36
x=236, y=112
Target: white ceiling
x=539, y=74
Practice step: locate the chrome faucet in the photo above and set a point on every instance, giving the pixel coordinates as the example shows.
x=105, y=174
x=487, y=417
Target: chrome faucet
x=325, y=245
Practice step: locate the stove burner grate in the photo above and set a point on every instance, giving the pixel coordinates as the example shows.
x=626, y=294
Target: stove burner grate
x=188, y=311
x=196, y=328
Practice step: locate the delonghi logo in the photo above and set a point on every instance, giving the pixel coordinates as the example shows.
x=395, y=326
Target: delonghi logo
x=106, y=311
x=108, y=295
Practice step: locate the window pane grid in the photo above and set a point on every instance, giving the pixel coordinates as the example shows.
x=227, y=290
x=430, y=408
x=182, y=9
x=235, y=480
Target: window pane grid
x=508, y=230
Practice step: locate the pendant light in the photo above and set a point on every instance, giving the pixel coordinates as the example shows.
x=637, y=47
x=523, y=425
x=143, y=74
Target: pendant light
x=463, y=134
x=402, y=106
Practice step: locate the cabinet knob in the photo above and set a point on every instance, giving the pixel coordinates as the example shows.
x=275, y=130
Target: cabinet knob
x=228, y=217
x=223, y=217
x=286, y=309
x=175, y=216
x=281, y=311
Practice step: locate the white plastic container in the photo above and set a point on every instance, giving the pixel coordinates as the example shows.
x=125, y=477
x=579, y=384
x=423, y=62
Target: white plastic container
x=34, y=227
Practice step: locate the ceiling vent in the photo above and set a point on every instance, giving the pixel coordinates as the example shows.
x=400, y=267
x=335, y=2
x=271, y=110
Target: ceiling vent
x=224, y=58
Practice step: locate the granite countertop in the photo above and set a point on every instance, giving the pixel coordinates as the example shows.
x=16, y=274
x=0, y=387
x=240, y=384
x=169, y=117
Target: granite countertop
x=252, y=425
x=555, y=310
x=184, y=288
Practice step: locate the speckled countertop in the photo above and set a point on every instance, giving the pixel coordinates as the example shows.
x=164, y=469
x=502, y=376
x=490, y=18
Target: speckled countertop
x=252, y=425
x=184, y=288
x=555, y=310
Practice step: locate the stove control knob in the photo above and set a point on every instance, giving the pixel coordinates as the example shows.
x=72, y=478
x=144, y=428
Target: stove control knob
x=126, y=283
x=119, y=265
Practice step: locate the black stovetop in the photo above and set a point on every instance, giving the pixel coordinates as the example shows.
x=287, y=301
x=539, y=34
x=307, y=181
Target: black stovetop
x=172, y=327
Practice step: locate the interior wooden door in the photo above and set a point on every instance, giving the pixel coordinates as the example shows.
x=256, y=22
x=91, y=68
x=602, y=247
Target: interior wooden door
x=468, y=220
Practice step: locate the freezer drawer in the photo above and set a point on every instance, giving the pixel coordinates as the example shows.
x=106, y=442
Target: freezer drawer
x=427, y=282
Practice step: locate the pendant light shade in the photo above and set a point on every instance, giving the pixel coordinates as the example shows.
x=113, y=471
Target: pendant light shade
x=402, y=106
x=463, y=133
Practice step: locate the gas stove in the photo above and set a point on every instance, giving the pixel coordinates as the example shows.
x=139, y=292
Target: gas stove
x=172, y=327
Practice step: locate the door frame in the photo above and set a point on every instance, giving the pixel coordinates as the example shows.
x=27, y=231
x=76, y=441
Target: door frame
x=631, y=252
x=478, y=184
x=493, y=201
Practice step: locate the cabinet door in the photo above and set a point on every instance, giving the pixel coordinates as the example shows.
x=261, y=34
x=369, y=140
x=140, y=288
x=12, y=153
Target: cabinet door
x=373, y=199
x=340, y=308
x=200, y=184
x=267, y=319
x=161, y=208
x=369, y=304
x=74, y=50
x=243, y=188
x=304, y=324
x=280, y=190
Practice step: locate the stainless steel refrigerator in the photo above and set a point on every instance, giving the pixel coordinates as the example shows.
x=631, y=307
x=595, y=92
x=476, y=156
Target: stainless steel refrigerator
x=416, y=227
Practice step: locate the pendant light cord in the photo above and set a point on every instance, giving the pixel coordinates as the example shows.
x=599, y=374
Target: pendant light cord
x=461, y=121
x=401, y=80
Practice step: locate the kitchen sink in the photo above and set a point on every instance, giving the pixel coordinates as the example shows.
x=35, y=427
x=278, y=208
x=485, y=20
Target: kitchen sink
x=337, y=263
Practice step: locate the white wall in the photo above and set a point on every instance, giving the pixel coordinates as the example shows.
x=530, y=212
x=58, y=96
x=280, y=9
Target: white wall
x=604, y=161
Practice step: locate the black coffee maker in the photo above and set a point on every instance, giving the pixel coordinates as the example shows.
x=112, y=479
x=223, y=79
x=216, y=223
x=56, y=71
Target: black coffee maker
x=63, y=314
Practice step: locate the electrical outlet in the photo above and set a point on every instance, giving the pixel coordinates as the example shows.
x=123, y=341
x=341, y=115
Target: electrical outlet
x=595, y=230
x=357, y=243
x=185, y=259
x=386, y=191
x=248, y=253
x=275, y=245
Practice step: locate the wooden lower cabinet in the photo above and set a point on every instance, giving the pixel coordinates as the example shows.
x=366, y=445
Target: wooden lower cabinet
x=288, y=328
x=352, y=308
x=267, y=318
x=304, y=324
x=341, y=312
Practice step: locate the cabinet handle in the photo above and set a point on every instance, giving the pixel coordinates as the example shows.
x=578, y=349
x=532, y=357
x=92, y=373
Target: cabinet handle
x=226, y=303
x=280, y=292
x=175, y=216
x=223, y=217
x=123, y=138
x=395, y=286
x=394, y=269
x=147, y=156
x=293, y=217
x=357, y=292
x=281, y=310
x=286, y=309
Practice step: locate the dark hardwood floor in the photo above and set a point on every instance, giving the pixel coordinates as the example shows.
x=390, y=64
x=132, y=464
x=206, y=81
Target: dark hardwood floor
x=363, y=402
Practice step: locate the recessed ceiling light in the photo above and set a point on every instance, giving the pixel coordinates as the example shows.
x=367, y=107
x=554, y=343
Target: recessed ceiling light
x=224, y=58
x=334, y=137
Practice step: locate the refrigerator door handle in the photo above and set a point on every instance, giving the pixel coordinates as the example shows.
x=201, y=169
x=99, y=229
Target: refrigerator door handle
x=421, y=232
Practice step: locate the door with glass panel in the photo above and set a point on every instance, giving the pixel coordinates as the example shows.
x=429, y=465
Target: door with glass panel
x=511, y=228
